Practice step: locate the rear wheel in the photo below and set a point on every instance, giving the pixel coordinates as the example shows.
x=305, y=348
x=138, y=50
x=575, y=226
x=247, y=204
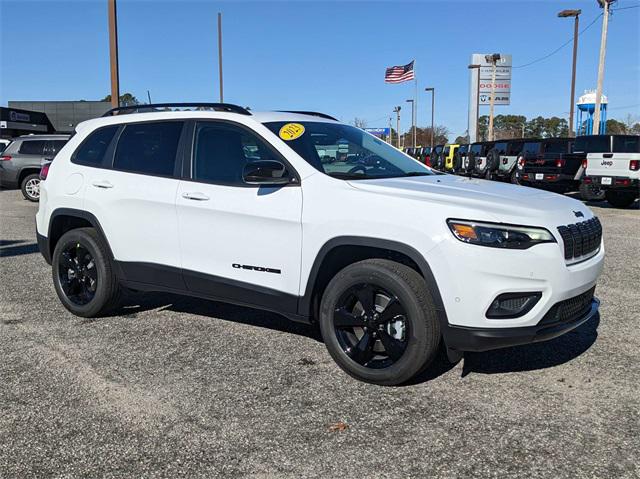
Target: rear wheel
x=514, y=178
x=620, y=199
x=30, y=187
x=378, y=322
x=591, y=192
x=83, y=276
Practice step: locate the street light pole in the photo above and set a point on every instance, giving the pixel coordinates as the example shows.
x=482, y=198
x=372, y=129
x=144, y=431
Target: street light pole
x=113, y=54
x=413, y=120
x=396, y=110
x=576, y=15
x=476, y=66
x=433, y=102
x=220, y=55
x=603, y=48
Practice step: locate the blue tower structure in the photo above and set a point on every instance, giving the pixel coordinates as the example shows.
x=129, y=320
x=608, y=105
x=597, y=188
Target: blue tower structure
x=586, y=109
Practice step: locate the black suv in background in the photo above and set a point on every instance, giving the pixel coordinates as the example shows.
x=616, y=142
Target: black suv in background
x=549, y=163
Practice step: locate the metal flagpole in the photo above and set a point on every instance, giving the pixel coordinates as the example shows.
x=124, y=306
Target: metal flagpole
x=415, y=107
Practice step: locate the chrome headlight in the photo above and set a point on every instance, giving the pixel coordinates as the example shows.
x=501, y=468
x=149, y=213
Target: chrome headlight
x=496, y=235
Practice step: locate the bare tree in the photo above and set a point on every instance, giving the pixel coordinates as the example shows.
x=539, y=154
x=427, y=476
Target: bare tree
x=359, y=122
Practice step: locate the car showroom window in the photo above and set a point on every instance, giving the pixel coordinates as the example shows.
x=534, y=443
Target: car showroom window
x=91, y=151
x=148, y=148
x=32, y=147
x=222, y=150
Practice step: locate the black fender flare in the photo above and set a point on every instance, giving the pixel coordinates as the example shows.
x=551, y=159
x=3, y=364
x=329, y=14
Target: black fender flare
x=305, y=302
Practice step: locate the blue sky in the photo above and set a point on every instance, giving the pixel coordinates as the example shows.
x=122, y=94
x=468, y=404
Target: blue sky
x=328, y=56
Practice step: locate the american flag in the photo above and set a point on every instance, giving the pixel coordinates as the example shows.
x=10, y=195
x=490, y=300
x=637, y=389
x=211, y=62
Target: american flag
x=399, y=74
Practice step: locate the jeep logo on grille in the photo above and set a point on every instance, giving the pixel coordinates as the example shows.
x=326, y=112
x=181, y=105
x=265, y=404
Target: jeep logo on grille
x=579, y=214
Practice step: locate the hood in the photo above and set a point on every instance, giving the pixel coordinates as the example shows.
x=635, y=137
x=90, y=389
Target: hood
x=483, y=200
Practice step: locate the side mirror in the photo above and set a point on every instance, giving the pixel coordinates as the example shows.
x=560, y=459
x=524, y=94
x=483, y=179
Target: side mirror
x=265, y=172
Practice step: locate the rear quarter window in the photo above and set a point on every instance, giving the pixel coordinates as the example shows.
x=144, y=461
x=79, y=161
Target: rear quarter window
x=32, y=147
x=92, y=150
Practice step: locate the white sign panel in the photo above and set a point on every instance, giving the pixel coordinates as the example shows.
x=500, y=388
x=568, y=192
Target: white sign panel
x=500, y=99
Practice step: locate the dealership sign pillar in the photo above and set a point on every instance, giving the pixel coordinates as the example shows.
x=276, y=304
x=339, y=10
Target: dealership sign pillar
x=480, y=87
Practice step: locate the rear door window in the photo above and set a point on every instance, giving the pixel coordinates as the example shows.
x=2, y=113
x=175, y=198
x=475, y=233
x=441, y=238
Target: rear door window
x=92, y=150
x=476, y=149
x=557, y=147
x=531, y=148
x=32, y=147
x=592, y=144
x=626, y=144
x=501, y=148
x=513, y=148
x=149, y=148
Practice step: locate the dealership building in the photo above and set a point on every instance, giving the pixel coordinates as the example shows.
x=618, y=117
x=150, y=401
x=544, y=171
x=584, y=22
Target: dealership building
x=42, y=117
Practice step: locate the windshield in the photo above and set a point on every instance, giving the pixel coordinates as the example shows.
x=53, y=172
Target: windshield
x=346, y=152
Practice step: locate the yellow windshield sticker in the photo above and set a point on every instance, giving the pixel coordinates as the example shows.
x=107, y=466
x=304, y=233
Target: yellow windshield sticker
x=291, y=131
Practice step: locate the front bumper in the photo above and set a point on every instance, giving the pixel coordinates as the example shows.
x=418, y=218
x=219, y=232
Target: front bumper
x=484, y=339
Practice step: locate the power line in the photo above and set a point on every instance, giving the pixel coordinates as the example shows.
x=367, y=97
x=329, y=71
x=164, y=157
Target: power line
x=561, y=46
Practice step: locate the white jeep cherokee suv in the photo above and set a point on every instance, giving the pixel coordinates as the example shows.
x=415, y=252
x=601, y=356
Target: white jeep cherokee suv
x=297, y=213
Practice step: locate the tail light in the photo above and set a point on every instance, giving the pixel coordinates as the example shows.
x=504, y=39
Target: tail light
x=559, y=163
x=44, y=171
x=551, y=177
x=5, y=157
x=584, y=164
x=587, y=181
x=634, y=165
x=623, y=182
x=521, y=162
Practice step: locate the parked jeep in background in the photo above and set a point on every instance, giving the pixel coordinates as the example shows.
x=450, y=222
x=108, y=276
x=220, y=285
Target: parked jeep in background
x=509, y=159
x=448, y=153
x=460, y=159
x=617, y=172
x=437, y=157
x=478, y=157
x=22, y=160
x=547, y=164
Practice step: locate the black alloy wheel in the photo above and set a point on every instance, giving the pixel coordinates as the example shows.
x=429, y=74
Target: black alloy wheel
x=77, y=274
x=371, y=326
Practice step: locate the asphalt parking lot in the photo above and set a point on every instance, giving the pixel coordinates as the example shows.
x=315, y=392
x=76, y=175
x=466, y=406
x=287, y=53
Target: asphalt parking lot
x=179, y=387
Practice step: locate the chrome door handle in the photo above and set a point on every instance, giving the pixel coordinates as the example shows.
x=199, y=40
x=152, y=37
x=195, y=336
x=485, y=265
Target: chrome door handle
x=102, y=184
x=196, y=196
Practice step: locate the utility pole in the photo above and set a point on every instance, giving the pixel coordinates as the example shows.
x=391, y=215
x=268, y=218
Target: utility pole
x=390, y=139
x=396, y=110
x=603, y=48
x=220, y=55
x=113, y=54
x=476, y=66
x=576, y=15
x=433, y=102
x=492, y=59
x=413, y=120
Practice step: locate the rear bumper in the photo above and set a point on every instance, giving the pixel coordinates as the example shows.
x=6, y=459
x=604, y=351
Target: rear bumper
x=617, y=182
x=485, y=339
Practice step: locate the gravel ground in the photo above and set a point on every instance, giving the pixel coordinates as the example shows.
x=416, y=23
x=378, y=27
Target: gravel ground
x=176, y=387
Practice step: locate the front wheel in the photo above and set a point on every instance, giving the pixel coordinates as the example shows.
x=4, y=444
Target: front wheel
x=30, y=187
x=83, y=276
x=620, y=199
x=378, y=322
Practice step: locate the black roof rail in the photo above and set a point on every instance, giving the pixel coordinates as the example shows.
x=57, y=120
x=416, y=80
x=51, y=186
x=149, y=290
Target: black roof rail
x=154, y=107
x=311, y=113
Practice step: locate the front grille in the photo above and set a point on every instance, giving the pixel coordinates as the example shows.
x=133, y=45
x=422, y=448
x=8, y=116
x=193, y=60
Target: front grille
x=582, y=238
x=569, y=309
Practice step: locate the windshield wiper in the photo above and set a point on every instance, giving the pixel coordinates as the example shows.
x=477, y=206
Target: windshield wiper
x=348, y=176
x=417, y=173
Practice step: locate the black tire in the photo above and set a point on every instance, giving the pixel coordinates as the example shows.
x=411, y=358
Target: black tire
x=92, y=298
x=620, y=199
x=591, y=192
x=420, y=330
x=27, y=187
x=514, y=178
x=471, y=167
